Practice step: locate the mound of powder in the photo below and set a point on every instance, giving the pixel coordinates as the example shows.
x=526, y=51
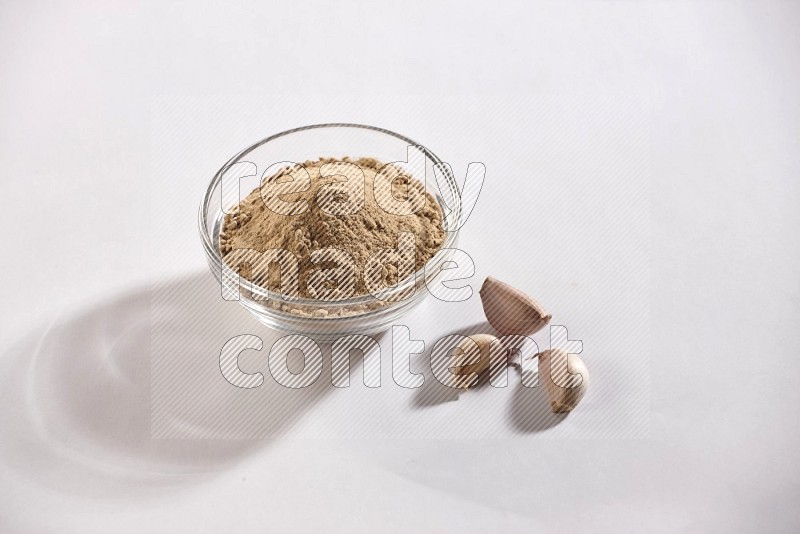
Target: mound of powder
x=362, y=229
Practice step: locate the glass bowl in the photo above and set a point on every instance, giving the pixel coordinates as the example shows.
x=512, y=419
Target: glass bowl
x=364, y=314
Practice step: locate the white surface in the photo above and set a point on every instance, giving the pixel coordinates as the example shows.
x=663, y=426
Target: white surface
x=79, y=87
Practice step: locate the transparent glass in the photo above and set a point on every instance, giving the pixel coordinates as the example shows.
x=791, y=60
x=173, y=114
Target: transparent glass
x=363, y=314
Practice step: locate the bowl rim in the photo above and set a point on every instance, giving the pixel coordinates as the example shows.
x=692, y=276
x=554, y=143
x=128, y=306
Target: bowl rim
x=438, y=259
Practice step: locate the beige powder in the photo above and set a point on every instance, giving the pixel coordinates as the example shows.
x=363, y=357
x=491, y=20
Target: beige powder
x=362, y=228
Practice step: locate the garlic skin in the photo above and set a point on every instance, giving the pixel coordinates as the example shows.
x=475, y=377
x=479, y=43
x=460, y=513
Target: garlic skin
x=510, y=311
x=468, y=350
x=565, y=378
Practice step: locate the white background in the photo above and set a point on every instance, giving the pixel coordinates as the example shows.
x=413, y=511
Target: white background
x=720, y=79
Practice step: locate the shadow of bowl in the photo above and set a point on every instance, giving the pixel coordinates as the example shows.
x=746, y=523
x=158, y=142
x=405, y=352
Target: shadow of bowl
x=77, y=399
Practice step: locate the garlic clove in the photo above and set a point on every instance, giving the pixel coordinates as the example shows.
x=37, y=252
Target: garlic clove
x=476, y=350
x=565, y=378
x=510, y=311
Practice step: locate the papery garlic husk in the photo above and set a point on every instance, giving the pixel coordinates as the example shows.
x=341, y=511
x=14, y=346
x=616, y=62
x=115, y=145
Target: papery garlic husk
x=565, y=378
x=510, y=311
